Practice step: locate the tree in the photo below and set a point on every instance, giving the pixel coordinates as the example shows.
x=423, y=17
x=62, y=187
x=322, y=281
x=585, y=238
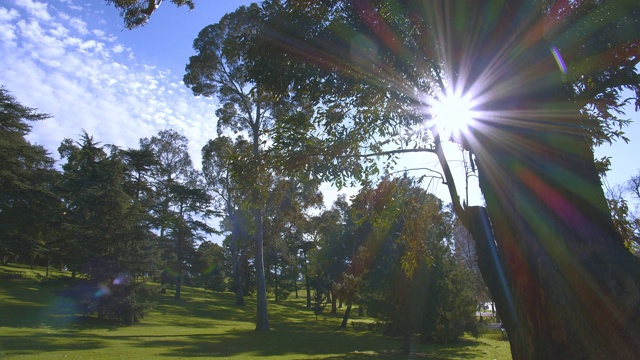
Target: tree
x=29, y=206
x=219, y=157
x=211, y=266
x=405, y=271
x=286, y=221
x=179, y=196
x=337, y=243
x=219, y=69
x=190, y=201
x=137, y=12
x=102, y=229
x=348, y=289
x=538, y=119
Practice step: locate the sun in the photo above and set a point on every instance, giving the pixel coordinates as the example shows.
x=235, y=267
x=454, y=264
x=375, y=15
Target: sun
x=452, y=114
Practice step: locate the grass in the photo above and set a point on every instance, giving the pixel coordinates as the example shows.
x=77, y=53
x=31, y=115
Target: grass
x=35, y=323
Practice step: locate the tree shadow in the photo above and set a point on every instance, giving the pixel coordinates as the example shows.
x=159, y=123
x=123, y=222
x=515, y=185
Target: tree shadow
x=201, y=324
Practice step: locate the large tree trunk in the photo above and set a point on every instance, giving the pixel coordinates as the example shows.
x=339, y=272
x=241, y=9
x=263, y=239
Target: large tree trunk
x=237, y=274
x=572, y=289
x=235, y=259
x=565, y=286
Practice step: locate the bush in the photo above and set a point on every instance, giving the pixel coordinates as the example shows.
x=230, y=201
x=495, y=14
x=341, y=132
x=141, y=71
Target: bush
x=123, y=301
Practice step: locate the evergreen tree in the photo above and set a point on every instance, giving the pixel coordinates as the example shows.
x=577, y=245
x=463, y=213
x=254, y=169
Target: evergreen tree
x=29, y=206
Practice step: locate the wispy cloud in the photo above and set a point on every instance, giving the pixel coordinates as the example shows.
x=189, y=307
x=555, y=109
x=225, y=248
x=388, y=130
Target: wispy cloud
x=79, y=73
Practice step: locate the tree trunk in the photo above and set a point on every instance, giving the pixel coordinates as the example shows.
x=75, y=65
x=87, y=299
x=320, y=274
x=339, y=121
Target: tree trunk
x=306, y=280
x=334, y=301
x=295, y=276
x=406, y=343
x=275, y=273
x=572, y=289
x=345, y=318
x=262, y=317
x=235, y=260
x=563, y=283
x=178, y=286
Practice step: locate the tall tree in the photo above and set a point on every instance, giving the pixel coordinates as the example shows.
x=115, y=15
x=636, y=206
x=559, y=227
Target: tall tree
x=190, y=201
x=178, y=196
x=337, y=242
x=219, y=69
x=106, y=236
x=28, y=204
x=544, y=95
x=286, y=219
x=221, y=159
x=172, y=167
x=406, y=265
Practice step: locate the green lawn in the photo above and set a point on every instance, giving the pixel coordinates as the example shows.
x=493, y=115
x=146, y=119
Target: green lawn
x=35, y=323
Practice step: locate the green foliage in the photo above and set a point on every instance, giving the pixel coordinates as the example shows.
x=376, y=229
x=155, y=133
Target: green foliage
x=137, y=13
x=410, y=276
x=321, y=287
x=29, y=207
x=123, y=300
x=210, y=267
x=450, y=305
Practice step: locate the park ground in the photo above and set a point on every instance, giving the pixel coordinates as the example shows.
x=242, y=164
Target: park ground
x=37, y=323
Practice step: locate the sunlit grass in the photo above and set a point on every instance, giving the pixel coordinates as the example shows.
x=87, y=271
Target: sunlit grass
x=36, y=324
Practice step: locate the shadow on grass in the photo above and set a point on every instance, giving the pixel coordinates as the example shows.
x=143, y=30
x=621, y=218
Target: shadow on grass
x=39, y=343
x=324, y=345
x=201, y=324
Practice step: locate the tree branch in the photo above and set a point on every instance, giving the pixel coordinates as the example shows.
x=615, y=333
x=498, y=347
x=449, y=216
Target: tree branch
x=451, y=185
x=399, y=151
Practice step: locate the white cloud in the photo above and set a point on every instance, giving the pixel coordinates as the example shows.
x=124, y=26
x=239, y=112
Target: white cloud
x=8, y=14
x=7, y=29
x=117, y=49
x=79, y=25
x=71, y=5
x=86, y=80
x=36, y=9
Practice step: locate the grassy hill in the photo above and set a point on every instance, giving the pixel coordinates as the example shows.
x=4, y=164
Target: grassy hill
x=37, y=323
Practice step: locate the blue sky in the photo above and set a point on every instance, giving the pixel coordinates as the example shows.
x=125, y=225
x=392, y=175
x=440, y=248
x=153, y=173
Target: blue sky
x=74, y=60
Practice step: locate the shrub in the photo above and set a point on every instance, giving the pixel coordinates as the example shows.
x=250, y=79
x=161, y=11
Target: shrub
x=124, y=301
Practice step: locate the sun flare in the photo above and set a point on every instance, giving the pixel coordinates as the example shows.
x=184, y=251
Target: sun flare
x=452, y=114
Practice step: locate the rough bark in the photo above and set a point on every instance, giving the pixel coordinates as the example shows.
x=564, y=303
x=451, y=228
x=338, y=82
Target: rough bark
x=565, y=286
x=573, y=290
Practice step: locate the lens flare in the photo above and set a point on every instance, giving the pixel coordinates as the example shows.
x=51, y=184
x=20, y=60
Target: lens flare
x=452, y=114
